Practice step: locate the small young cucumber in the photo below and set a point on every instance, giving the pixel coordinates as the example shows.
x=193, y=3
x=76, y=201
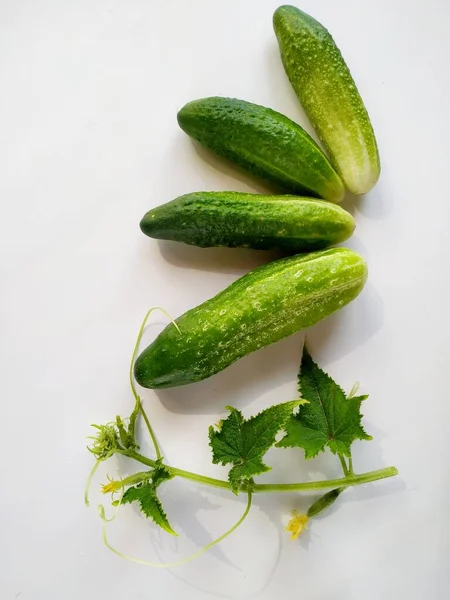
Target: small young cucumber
x=265, y=143
x=236, y=219
x=325, y=88
x=260, y=308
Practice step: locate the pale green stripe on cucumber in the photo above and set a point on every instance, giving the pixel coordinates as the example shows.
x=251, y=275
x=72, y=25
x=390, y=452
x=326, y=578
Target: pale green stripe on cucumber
x=262, y=307
x=235, y=219
x=265, y=143
x=327, y=92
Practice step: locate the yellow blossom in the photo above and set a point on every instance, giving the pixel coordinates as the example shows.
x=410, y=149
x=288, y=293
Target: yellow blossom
x=297, y=524
x=112, y=486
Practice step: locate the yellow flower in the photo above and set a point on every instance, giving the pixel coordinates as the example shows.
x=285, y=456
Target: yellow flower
x=112, y=486
x=297, y=524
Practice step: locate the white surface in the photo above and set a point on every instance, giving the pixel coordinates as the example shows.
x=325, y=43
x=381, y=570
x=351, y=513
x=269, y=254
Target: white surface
x=89, y=142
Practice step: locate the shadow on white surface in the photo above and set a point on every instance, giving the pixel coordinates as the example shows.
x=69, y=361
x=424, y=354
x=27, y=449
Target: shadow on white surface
x=192, y=528
x=355, y=243
x=358, y=495
x=182, y=503
x=195, y=512
x=236, y=261
x=376, y=205
x=342, y=333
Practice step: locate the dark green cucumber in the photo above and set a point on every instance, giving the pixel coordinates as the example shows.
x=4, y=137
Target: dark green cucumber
x=260, y=308
x=327, y=92
x=236, y=219
x=265, y=143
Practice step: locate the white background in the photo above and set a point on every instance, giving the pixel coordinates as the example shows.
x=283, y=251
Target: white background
x=89, y=142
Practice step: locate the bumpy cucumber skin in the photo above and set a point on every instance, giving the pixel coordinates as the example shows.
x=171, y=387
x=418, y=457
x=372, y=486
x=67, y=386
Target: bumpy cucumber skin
x=327, y=92
x=265, y=143
x=262, y=307
x=239, y=220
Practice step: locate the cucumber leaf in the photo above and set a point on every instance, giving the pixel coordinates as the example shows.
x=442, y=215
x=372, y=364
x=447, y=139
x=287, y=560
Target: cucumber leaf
x=328, y=419
x=145, y=495
x=243, y=443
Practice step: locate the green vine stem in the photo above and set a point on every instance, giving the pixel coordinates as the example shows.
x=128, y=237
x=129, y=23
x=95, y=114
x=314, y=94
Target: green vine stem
x=344, y=465
x=308, y=486
x=350, y=466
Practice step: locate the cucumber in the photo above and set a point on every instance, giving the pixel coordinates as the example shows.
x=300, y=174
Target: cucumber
x=327, y=92
x=260, y=308
x=236, y=219
x=265, y=143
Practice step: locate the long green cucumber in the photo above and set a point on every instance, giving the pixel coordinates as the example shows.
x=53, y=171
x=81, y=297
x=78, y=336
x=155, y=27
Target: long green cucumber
x=327, y=92
x=265, y=143
x=262, y=307
x=235, y=219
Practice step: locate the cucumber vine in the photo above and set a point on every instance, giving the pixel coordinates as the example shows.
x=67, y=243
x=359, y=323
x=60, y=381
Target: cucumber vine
x=323, y=417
